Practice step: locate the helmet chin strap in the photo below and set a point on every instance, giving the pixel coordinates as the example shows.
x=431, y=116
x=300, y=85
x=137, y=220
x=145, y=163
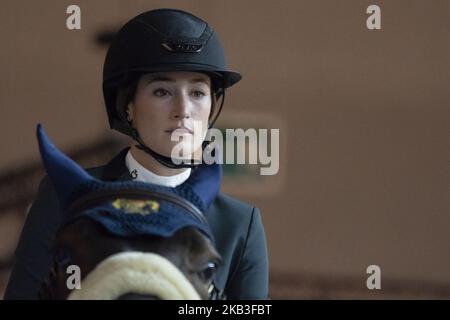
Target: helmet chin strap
x=167, y=161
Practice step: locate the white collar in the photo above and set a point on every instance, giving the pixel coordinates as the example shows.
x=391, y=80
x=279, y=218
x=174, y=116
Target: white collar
x=145, y=175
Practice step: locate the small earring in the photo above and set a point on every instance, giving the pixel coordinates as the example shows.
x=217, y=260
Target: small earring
x=129, y=119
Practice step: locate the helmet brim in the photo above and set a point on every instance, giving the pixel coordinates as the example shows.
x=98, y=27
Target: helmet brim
x=229, y=77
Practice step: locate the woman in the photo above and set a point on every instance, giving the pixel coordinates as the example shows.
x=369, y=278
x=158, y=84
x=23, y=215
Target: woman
x=163, y=75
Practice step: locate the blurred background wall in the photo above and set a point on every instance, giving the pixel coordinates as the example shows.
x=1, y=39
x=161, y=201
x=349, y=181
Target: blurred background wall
x=364, y=118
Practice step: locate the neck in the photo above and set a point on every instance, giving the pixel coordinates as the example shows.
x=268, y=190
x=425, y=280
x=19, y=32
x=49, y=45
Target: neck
x=151, y=164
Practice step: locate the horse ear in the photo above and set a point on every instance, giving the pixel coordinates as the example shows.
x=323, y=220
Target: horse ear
x=64, y=173
x=205, y=181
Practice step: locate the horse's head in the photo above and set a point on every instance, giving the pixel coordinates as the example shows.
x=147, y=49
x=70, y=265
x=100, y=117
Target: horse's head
x=130, y=240
x=122, y=268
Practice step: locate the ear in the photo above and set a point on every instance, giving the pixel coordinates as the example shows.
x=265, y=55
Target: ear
x=130, y=111
x=64, y=173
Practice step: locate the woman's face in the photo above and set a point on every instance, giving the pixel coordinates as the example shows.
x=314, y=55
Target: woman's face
x=169, y=101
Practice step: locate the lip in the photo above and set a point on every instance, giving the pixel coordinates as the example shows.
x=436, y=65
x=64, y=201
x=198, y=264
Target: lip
x=181, y=129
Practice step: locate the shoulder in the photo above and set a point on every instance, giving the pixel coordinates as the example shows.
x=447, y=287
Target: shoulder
x=229, y=209
x=46, y=195
x=231, y=220
x=226, y=201
x=96, y=172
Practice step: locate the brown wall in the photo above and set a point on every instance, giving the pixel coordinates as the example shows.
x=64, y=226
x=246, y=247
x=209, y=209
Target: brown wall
x=364, y=118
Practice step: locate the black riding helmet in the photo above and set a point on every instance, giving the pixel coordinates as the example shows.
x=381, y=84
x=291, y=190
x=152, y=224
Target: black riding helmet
x=158, y=41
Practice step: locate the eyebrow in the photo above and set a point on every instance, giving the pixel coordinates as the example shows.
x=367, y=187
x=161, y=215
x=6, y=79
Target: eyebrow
x=162, y=78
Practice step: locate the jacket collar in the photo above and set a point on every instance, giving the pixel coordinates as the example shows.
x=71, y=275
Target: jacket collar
x=116, y=170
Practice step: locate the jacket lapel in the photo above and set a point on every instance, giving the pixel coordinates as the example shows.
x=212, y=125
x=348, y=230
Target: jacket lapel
x=116, y=170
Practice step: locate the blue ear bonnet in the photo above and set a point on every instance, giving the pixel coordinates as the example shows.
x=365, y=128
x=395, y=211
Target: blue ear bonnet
x=130, y=208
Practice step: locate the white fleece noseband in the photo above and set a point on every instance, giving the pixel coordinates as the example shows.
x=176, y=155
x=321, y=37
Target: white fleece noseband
x=135, y=272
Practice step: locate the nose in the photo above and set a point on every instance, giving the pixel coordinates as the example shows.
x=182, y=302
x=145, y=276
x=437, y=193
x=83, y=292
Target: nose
x=182, y=107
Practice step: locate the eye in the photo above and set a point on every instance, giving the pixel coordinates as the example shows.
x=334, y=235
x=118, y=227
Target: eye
x=160, y=92
x=208, y=272
x=198, y=93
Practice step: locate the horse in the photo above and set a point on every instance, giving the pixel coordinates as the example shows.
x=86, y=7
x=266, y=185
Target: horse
x=128, y=239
